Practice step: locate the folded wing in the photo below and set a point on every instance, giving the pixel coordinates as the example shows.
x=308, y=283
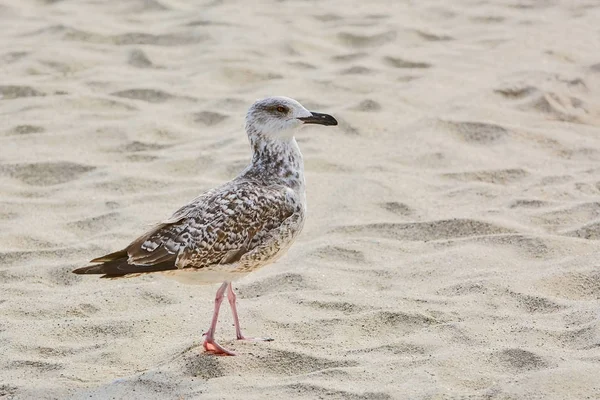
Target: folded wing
x=216, y=228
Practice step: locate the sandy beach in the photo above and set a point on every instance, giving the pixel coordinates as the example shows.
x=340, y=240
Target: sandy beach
x=451, y=249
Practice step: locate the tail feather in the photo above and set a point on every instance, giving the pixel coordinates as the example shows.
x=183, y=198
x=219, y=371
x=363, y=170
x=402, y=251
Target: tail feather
x=120, y=267
x=111, y=257
x=91, y=269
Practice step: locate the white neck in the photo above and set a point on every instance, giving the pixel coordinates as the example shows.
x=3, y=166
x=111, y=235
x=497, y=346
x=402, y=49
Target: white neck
x=276, y=159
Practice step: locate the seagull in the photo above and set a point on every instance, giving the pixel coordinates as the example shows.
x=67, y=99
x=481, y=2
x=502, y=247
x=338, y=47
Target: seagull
x=238, y=227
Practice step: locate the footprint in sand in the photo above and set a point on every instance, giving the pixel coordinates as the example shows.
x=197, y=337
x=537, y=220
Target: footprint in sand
x=274, y=284
x=11, y=92
x=367, y=105
x=477, y=132
x=501, y=176
x=405, y=64
x=589, y=231
x=397, y=208
x=363, y=41
x=349, y=57
x=209, y=118
x=518, y=360
x=424, y=231
x=356, y=70
x=137, y=58
x=148, y=95
x=45, y=173
x=25, y=130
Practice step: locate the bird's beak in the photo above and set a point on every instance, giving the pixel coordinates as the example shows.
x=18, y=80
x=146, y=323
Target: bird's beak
x=318, y=118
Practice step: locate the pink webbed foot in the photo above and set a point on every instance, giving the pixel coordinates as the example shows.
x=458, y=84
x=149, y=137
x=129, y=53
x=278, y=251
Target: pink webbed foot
x=209, y=341
x=215, y=348
x=210, y=345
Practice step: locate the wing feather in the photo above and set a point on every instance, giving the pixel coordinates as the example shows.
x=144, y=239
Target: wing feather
x=218, y=227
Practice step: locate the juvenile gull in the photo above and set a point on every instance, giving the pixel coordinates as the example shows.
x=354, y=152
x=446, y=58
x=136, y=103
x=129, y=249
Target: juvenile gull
x=235, y=228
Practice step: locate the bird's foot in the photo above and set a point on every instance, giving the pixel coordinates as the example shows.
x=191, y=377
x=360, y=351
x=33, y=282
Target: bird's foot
x=215, y=348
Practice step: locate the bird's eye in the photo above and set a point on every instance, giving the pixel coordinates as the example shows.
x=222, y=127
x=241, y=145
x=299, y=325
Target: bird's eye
x=281, y=109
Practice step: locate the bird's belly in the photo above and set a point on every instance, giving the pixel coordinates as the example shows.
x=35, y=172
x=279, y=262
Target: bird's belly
x=204, y=276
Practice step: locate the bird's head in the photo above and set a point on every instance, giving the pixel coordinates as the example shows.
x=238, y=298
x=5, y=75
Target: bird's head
x=280, y=117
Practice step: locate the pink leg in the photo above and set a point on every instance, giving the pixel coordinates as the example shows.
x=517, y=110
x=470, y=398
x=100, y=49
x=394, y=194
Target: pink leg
x=238, y=331
x=209, y=341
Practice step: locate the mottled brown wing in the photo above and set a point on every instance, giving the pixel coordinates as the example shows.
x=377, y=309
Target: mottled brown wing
x=218, y=227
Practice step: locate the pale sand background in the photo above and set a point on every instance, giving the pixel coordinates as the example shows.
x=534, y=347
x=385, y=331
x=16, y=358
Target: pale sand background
x=451, y=249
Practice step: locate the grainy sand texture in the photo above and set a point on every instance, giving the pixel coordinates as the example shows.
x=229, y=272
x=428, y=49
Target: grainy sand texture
x=451, y=249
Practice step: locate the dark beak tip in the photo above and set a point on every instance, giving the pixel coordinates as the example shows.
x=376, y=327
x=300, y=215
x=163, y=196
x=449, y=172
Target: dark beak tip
x=330, y=121
x=320, y=119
